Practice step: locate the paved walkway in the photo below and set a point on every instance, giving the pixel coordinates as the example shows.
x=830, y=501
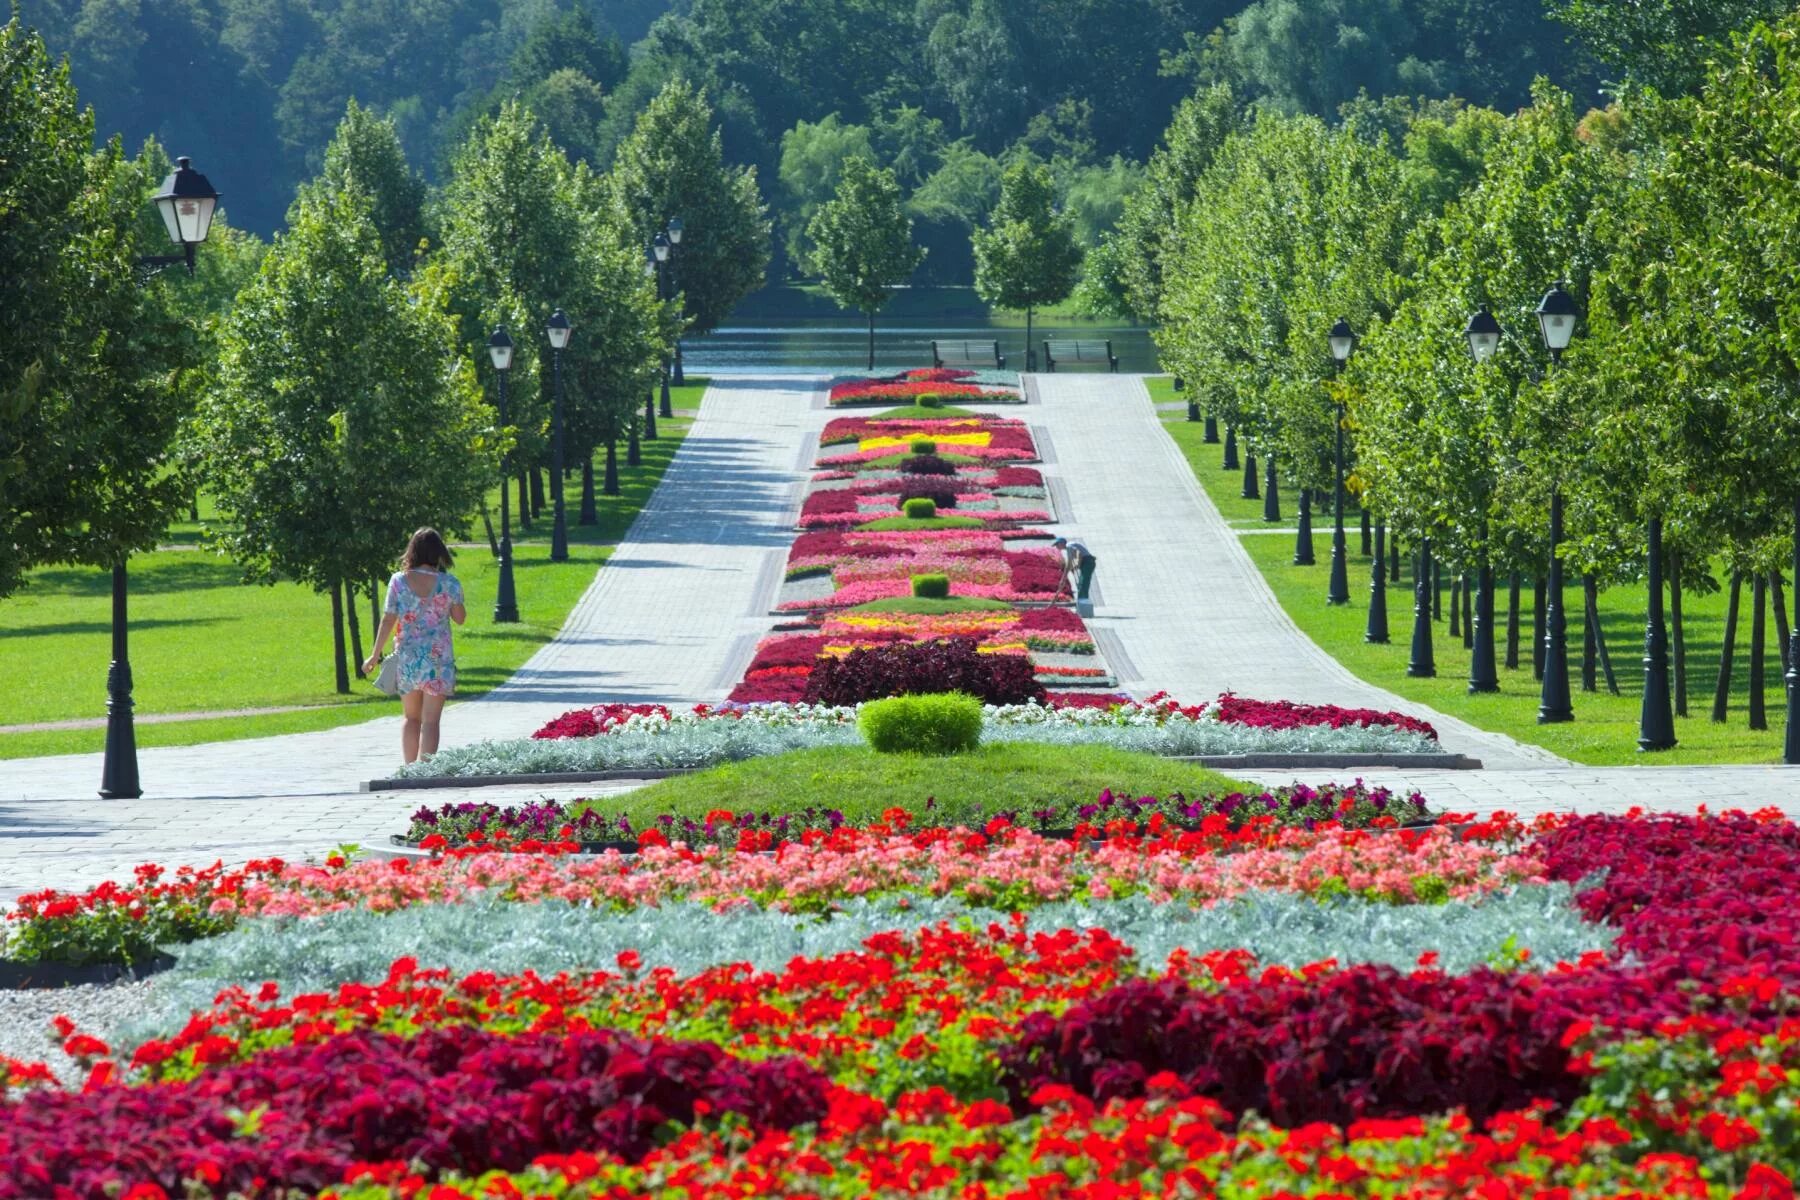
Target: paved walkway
x=672, y=617
x=1180, y=606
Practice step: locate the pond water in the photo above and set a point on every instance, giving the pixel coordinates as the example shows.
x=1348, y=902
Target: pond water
x=772, y=344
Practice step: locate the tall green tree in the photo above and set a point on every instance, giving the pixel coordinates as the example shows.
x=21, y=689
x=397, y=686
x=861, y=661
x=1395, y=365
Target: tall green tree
x=366, y=153
x=346, y=414
x=91, y=359
x=863, y=241
x=1665, y=44
x=1027, y=256
x=673, y=165
x=813, y=154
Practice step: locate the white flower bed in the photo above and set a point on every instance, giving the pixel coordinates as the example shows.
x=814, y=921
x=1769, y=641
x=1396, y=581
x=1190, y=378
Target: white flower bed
x=688, y=739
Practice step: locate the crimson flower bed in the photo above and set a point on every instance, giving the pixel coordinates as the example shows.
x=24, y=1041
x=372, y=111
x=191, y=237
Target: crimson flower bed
x=950, y=665
x=447, y=1099
x=1707, y=916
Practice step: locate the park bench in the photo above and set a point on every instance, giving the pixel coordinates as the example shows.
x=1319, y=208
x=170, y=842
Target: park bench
x=976, y=353
x=1076, y=350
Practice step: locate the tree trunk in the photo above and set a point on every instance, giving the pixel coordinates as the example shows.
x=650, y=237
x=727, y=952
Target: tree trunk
x=1393, y=558
x=589, y=514
x=1365, y=533
x=487, y=523
x=1251, y=491
x=1512, y=622
x=1230, y=461
x=524, y=504
x=611, y=484
x=1678, y=636
x=356, y=650
x=339, y=668
x=1540, y=593
x=634, y=450
x=375, y=606
x=1778, y=601
x=1030, y=354
x=1437, y=590
x=537, y=491
x=194, y=505
x=1606, y=668
x=871, y=339
x=1456, y=588
x=1468, y=604
x=1589, y=643
x=1722, y=689
x=1759, y=716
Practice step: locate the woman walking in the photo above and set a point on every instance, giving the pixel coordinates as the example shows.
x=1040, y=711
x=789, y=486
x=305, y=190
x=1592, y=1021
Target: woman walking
x=422, y=599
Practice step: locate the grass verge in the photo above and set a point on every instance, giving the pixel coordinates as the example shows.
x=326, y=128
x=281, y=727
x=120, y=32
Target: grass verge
x=1604, y=732
x=966, y=787
x=899, y=524
x=204, y=641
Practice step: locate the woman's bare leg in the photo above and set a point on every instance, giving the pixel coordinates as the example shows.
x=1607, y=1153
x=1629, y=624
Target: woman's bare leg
x=412, y=705
x=431, y=713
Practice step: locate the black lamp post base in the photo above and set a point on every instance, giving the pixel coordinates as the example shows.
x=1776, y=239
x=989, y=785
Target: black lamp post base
x=119, y=769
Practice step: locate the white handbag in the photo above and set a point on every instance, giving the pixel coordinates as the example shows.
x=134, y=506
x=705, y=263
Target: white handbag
x=387, y=680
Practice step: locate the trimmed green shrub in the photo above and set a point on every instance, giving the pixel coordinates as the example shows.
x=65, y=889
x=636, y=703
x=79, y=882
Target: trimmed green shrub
x=931, y=587
x=931, y=401
x=920, y=508
x=939, y=723
x=924, y=446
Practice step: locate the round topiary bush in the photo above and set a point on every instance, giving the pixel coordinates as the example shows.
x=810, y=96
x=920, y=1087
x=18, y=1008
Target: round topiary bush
x=931, y=400
x=941, y=723
x=920, y=508
x=931, y=587
x=924, y=446
x=927, y=464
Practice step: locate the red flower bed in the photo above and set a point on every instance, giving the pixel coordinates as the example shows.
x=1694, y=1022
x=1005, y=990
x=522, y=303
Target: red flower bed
x=451, y=1098
x=907, y=389
x=1033, y=571
x=1708, y=915
x=1285, y=714
x=908, y=668
x=591, y=722
x=1018, y=477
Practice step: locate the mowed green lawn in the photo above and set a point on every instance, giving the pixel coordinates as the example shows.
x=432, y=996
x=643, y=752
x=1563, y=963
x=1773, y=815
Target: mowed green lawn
x=1605, y=728
x=204, y=641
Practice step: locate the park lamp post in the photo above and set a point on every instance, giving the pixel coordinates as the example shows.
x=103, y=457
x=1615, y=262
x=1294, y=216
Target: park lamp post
x=1556, y=316
x=650, y=398
x=1483, y=333
x=186, y=202
x=661, y=248
x=558, y=331
x=506, y=604
x=1342, y=340
x=674, y=233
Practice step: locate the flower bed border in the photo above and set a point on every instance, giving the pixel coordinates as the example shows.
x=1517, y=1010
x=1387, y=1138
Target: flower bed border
x=1449, y=762
x=49, y=976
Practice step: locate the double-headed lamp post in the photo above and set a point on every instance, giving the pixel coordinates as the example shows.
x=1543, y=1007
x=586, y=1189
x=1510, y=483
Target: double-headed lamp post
x=1483, y=333
x=1556, y=314
x=1343, y=344
x=506, y=603
x=186, y=202
x=676, y=229
x=558, y=331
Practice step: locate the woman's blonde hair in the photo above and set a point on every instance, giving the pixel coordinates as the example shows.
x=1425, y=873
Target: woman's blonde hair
x=426, y=549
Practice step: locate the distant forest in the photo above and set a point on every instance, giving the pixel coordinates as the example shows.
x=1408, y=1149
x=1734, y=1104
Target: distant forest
x=944, y=91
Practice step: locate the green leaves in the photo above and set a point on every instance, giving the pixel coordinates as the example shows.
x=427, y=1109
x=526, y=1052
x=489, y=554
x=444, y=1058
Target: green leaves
x=863, y=238
x=1027, y=256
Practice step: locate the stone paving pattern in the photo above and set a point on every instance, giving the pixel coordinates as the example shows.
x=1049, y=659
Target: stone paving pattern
x=674, y=616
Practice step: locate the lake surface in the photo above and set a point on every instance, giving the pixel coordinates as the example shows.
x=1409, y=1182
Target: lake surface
x=771, y=345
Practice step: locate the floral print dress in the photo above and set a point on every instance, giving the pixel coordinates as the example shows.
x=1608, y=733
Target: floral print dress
x=422, y=633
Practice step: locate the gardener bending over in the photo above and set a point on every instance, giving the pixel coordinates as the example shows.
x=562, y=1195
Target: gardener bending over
x=1077, y=569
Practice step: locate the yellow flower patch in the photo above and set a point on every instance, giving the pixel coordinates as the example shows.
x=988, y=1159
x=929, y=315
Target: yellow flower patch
x=981, y=438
